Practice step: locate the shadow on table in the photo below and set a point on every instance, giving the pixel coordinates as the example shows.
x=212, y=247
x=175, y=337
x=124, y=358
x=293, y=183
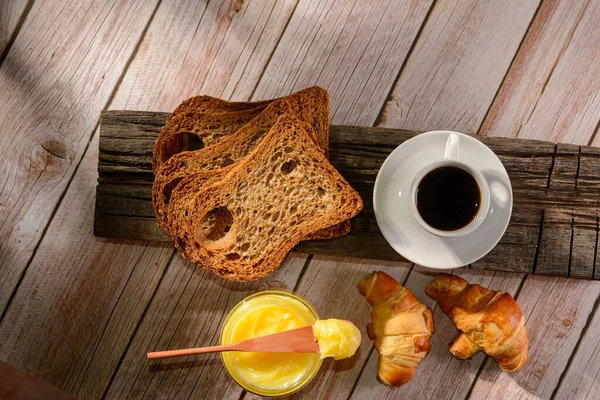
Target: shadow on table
x=155, y=366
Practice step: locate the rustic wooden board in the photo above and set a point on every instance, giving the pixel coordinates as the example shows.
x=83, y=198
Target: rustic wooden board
x=548, y=195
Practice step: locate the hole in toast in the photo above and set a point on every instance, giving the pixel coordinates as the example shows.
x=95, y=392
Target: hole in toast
x=217, y=223
x=232, y=256
x=288, y=167
x=275, y=216
x=320, y=192
x=168, y=190
x=245, y=247
x=226, y=161
x=194, y=143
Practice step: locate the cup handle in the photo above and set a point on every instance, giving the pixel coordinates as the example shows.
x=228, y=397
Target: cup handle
x=452, y=144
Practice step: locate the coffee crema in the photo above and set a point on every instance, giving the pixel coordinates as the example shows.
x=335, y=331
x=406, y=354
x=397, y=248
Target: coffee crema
x=448, y=198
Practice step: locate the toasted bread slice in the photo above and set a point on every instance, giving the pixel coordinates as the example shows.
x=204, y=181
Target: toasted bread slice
x=209, y=104
x=231, y=150
x=202, y=121
x=227, y=152
x=243, y=226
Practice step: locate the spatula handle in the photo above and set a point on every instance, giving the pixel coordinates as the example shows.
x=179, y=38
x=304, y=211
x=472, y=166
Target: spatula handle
x=189, y=352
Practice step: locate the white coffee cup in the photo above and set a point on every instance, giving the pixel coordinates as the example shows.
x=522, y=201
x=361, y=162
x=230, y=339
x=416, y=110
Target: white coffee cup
x=451, y=159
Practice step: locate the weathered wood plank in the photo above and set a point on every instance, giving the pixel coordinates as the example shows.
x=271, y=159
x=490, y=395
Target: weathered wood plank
x=135, y=268
x=555, y=311
x=544, y=179
x=458, y=64
x=188, y=311
x=544, y=45
x=451, y=378
x=215, y=48
x=568, y=107
x=353, y=51
x=55, y=80
x=582, y=380
x=10, y=14
x=81, y=326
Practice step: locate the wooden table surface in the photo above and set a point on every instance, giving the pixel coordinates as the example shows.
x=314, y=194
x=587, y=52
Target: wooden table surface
x=80, y=312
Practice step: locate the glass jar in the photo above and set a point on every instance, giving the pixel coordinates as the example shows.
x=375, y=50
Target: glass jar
x=269, y=374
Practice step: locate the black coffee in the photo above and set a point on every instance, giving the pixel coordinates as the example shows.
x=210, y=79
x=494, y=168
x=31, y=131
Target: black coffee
x=448, y=198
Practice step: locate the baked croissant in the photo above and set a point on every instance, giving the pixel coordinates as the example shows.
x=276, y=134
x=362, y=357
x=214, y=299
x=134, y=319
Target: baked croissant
x=401, y=326
x=489, y=321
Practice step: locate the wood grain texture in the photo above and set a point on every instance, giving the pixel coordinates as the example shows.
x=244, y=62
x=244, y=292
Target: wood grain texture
x=567, y=107
x=555, y=313
x=544, y=179
x=81, y=298
x=582, y=380
x=188, y=311
x=199, y=47
x=458, y=64
x=54, y=82
x=542, y=49
x=353, y=51
x=10, y=14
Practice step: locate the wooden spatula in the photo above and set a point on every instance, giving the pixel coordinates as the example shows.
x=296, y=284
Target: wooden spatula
x=300, y=340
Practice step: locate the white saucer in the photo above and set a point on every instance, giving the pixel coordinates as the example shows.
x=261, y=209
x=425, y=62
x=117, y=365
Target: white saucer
x=392, y=203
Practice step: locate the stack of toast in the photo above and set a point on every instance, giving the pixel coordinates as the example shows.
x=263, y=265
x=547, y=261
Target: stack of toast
x=238, y=185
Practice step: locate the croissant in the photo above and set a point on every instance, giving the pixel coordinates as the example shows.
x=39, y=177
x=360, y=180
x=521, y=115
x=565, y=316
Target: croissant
x=401, y=326
x=489, y=321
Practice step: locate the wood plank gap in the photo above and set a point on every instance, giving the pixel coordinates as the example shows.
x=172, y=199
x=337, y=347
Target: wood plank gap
x=287, y=23
x=362, y=369
x=596, y=248
x=304, y=267
x=583, y=332
x=593, y=137
x=15, y=32
x=571, y=247
x=137, y=326
x=551, y=167
x=476, y=378
x=389, y=97
x=510, y=65
x=539, y=242
x=578, y=167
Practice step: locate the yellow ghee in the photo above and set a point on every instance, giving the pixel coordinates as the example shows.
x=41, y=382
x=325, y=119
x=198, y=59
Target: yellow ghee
x=269, y=374
x=337, y=338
